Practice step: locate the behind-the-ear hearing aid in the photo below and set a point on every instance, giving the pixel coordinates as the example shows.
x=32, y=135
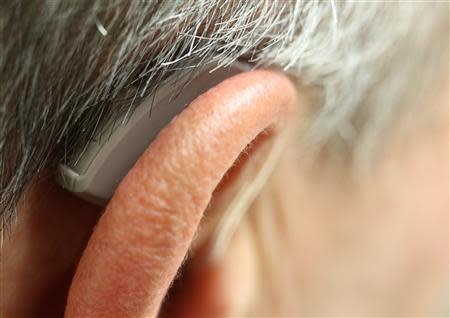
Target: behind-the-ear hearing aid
x=107, y=159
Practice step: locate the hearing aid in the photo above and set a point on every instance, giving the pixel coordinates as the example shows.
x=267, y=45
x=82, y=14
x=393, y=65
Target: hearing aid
x=105, y=160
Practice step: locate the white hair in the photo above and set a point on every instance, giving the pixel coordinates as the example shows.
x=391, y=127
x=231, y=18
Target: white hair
x=67, y=66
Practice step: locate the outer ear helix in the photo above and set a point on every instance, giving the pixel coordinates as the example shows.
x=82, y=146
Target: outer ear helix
x=147, y=228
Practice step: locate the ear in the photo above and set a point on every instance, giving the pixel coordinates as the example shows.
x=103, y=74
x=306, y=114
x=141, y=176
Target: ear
x=142, y=238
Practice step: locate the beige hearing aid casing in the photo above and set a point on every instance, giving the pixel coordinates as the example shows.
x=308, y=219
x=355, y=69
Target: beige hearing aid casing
x=107, y=159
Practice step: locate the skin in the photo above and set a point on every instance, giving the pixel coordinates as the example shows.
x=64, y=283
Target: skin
x=145, y=232
x=146, y=229
x=315, y=242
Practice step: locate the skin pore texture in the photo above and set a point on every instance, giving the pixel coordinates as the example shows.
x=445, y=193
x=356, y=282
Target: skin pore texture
x=143, y=236
x=355, y=226
x=314, y=242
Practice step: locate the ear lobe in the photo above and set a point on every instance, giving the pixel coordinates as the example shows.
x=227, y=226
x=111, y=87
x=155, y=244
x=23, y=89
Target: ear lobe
x=147, y=228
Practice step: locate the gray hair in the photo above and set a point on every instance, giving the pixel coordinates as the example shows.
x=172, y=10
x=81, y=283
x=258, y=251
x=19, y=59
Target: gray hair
x=68, y=66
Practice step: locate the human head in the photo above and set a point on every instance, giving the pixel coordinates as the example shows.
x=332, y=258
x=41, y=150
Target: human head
x=68, y=67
